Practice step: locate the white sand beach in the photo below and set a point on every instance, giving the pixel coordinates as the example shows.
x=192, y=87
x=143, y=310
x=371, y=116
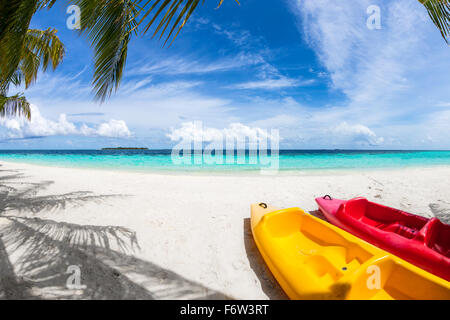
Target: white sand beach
x=155, y=236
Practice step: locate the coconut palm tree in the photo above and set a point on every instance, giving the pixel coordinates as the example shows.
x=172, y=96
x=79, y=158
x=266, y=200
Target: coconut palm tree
x=40, y=48
x=23, y=52
x=109, y=25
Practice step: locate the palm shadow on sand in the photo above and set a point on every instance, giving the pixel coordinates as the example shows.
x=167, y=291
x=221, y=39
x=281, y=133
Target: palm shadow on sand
x=43, y=249
x=268, y=283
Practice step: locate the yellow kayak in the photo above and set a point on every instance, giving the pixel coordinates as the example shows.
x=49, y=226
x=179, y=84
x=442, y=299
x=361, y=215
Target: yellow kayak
x=312, y=259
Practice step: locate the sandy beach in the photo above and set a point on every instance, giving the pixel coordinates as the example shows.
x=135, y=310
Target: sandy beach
x=154, y=236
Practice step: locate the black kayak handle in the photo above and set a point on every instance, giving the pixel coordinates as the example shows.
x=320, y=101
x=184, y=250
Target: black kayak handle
x=327, y=196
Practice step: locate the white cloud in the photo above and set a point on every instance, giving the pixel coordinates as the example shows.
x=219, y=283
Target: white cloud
x=357, y=134
x=238, y=37
x=341, y=135
x=131, y=86
x=251, y=54
x=269, y=84
x=195, y=131
x=391, y=77
x=153, y=107
x=114, y=128
x=378, y=67
x=279, y=121
x=443, y=104
x=365, y=64
x=177, y=66
x=394, y=80
x=19, y=127
x=54, y=84
x=12, y=124
x=270, y=78
x=38, y=126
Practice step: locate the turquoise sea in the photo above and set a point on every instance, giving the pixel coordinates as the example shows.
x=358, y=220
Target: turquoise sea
x=287, y=160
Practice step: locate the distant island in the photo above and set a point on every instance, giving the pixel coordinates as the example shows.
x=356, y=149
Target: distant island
x=124, y=148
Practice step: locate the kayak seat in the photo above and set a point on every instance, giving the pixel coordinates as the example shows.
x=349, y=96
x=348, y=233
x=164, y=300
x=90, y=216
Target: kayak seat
x=436, y=235
x=383, y=218
x=371, y=222
x=400, y=229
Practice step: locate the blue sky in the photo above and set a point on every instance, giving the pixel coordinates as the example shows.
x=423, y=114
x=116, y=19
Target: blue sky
x=309, y=68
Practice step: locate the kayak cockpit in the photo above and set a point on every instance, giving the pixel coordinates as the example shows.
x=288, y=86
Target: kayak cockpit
x=312, y=259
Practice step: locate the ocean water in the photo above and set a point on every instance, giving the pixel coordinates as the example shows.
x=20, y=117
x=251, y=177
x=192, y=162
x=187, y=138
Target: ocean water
x=287, y=160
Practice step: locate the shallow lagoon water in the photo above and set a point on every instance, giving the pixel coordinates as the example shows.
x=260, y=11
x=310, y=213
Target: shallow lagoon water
x=287, y=160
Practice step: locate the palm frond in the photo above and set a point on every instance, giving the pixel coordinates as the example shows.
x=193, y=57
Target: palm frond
x=40, y=49
x=221, y=1
x=109, y=26
x=45, y=4
x=16, y=105
x=439, y=12
x=176, y=11
x=15, y=17
x=23, y=52
x=46, y=45
x=29, y=66
x=17, y=78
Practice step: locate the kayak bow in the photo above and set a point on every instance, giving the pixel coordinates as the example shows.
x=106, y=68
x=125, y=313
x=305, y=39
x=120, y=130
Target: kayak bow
x=422, y=241
x=312, y=259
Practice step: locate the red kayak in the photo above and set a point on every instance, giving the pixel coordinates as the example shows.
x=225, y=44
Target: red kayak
x=421, y=241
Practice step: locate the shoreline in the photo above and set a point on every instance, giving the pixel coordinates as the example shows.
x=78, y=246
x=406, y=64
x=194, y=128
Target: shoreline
x=237, y=172
x=142, y=235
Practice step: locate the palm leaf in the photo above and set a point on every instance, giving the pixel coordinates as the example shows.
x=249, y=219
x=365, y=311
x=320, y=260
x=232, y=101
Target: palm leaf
x=439, y=12
x=40, y=49
x=18, y=44
x=45, y=4
x=46, y=45
x=29, y=66
x=109, y=26
x=23, y=52
x=174, y=11
x=15, y=17
x=14, y=105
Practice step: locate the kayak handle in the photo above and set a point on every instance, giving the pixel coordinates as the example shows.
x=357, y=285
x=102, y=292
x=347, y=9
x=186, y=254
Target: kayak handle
x=327, y=196
x=263, y=205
